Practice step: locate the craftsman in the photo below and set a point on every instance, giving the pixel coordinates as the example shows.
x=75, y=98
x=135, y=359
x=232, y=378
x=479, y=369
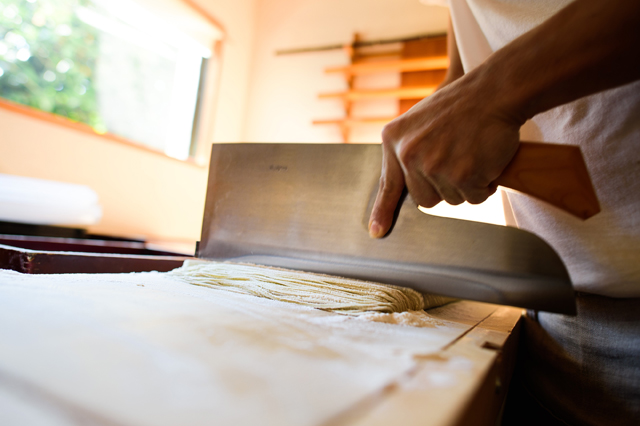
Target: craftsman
x=549, y=71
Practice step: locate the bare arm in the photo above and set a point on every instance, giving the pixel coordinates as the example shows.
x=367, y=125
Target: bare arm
x=588, y=47
x=454, y=144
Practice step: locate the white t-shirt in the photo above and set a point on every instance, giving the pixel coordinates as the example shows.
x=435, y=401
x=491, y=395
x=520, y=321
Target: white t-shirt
x=602, y=253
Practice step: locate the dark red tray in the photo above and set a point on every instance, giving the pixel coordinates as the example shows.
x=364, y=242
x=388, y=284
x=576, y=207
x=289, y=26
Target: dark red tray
x=47, y=255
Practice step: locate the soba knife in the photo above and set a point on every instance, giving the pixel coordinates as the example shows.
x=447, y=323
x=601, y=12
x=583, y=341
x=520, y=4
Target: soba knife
x=307, y=206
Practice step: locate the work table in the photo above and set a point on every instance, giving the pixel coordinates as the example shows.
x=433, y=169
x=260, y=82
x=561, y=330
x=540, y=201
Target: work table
x=145, y=349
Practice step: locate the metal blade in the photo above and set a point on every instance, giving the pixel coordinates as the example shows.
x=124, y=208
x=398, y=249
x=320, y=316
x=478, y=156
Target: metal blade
x=306, y=207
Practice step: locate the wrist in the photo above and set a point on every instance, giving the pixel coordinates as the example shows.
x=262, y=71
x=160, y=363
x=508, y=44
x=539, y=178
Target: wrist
x=512, y=91
x=494, y=93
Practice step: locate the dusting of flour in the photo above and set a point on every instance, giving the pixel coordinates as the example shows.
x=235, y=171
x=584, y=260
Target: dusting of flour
x=408, y=318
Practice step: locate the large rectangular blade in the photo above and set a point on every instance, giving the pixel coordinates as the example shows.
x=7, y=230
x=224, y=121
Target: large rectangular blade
x=306, y=207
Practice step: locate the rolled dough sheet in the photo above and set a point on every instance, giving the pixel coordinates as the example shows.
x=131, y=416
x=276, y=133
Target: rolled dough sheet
x=146, y=349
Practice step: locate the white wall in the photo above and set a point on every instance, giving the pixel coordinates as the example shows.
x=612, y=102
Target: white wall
x=238, y=18
x=143, y=194
x=284, y=89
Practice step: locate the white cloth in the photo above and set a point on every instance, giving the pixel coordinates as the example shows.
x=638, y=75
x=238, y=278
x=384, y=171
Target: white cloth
x=602, y=254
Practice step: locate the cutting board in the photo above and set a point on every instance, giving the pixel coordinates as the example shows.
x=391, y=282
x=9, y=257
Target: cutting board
x=144, y=349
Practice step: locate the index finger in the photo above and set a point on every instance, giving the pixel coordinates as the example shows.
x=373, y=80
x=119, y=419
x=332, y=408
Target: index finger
x=389, y=193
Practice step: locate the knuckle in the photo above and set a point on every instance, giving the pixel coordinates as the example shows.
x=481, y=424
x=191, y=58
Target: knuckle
x=455, y=202
x=387, y=144
x=406, y=154
x=451, y=196
x=389, y=132
x=477, y=197
x=388, y=186
x=477, y=191
x=431, y=201
x=427, y=199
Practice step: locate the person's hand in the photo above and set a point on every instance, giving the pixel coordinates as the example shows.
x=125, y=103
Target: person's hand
x=450, y=146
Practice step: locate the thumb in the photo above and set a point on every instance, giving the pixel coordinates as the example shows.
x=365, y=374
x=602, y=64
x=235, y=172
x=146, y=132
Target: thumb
x=389, y=193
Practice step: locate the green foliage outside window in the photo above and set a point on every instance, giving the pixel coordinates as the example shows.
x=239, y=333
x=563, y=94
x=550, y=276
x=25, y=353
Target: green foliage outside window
x=48, y=57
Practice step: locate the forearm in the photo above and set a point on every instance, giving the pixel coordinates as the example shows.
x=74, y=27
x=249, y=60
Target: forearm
x=590, y=46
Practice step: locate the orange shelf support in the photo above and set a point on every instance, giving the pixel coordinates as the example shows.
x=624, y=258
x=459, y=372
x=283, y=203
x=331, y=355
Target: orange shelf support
x=353, y=121
x=400, y=65
x=399, y=92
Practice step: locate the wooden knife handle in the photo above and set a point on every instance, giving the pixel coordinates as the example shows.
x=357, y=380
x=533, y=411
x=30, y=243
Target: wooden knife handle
x=553, y=173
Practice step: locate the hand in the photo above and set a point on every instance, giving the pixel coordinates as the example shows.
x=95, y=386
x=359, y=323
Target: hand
x=450, y=146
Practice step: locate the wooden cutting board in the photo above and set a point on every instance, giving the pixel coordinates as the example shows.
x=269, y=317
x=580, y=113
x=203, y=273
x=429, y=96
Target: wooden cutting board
x=143, y=349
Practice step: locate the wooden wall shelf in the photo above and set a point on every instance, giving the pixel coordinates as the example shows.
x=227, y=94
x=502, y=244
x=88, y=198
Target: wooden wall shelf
x=354, y=121
x=400, y=65
x=422, y=64
x=399, y=93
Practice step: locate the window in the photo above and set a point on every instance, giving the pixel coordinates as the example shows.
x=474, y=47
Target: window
x=121, y=66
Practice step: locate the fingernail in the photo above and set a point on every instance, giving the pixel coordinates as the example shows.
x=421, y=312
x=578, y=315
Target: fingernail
x=375, y=230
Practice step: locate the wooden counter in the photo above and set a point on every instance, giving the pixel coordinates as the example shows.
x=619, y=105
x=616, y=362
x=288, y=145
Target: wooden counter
x=144, y=349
